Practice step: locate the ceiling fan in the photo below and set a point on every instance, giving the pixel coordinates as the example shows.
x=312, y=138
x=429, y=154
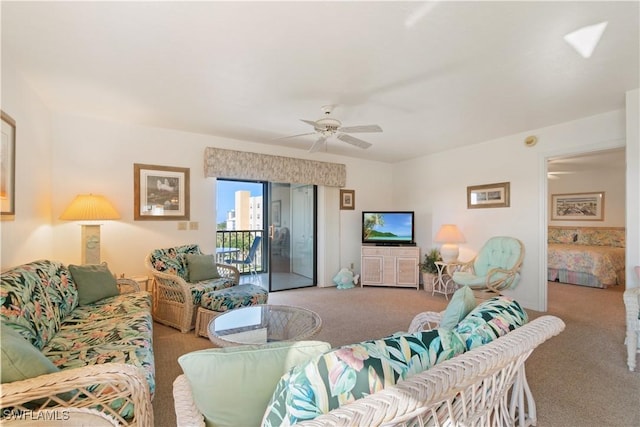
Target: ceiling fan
x=328, y=126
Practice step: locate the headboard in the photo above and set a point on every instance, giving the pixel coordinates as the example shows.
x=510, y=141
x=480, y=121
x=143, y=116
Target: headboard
x=595, y=236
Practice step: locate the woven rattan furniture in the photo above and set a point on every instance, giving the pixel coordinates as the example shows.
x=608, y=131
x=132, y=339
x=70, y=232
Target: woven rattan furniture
x=631, y=299
x=175, y=300
x=482, y=387
x=263, y=323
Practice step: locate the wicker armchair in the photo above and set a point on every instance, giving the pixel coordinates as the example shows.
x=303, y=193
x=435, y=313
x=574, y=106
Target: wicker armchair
x=631, y=299
x=484, y=386
x=175, y=300
x=496, y=266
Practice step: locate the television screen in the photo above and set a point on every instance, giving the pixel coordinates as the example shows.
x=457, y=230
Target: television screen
x=387, y=227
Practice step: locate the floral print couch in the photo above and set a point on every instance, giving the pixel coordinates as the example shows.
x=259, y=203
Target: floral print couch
x=101, y=352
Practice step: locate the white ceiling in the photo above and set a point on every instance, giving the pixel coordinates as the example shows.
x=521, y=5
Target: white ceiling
x=464, y=72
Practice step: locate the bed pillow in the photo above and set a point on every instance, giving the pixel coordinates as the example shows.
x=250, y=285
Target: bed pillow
x=232, y=386
x=201, y=267
x=462, y=302
x=21, y=360
x=491, y=319
x=94, y=282
x=354, y=371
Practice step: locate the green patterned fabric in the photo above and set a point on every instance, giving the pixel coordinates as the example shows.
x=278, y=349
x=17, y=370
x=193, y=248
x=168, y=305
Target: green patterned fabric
x=491, y=319
x=173, y=260
x=36, y=297
x=352, y=372
x=201, y=288
x=234, y=297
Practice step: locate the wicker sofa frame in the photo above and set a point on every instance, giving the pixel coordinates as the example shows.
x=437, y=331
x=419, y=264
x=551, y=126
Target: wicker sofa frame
x=74, y=388
x=485, y=386
x=172, y=299
x=631, y=298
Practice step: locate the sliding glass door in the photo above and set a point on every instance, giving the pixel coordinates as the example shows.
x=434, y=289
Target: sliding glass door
x=292, y=231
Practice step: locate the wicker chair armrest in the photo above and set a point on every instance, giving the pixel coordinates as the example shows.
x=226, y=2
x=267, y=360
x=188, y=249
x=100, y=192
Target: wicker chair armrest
x=70, y=388
x=226, y=270
x=460, y=266
x=126, y=286
x=187, y=414
x=425, y=321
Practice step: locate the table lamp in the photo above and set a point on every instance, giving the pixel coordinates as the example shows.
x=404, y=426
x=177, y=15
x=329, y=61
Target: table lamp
x=90, y=207
x=449, y=236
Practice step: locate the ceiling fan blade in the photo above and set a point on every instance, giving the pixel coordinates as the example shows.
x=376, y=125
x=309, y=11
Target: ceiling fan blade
x=318, y=144
x=353, y=141
x=295, y=136
x=316, y=125
x=361, y=128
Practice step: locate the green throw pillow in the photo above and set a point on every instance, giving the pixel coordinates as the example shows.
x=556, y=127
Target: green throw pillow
x=94, y=282
x=201, y=267
x=461, y=304
x=21, y=360
x=232, y=386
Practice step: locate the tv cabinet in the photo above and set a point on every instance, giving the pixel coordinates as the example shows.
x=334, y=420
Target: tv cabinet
x=390, y=266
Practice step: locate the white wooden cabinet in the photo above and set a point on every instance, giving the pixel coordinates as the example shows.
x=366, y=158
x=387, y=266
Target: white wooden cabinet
x=390, y=266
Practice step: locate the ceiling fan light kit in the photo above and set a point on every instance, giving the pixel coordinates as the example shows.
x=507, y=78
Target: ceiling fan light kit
x=328, y=126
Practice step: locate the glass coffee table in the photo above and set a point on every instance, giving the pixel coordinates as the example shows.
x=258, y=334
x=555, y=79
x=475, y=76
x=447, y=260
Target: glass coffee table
x=261, y=324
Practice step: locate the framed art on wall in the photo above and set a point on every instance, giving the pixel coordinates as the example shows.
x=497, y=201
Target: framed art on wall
x=160, y=192
x=488, y=196
x=577, y=207
x=7, y=166
x=347, y=199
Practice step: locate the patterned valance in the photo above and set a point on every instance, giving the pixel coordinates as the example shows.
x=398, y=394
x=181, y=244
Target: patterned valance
x=222, y=163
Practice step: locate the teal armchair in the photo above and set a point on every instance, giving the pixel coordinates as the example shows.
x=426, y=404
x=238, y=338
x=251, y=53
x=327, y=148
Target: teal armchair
x=496, y=266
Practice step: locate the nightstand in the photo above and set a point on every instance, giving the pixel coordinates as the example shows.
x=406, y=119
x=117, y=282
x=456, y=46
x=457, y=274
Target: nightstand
x=443, y=283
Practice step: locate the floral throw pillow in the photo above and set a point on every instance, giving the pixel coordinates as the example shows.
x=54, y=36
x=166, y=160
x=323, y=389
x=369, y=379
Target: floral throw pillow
x=354, y=371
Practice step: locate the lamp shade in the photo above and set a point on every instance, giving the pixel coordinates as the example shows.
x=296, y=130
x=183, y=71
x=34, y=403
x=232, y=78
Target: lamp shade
x=88, y=207
x=449, y=233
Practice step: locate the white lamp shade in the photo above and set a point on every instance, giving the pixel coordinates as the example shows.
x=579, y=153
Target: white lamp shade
x=89, y=207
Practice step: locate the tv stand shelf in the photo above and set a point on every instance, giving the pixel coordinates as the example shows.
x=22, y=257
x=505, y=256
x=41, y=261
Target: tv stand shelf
x=395, y=266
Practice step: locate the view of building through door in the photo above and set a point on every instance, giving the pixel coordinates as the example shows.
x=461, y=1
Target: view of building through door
x=282, y=217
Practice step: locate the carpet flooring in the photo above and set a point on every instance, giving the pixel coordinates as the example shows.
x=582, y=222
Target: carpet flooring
x=579, y=378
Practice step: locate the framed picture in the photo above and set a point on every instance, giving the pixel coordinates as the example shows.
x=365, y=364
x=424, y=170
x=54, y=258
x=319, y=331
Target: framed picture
x=276, y=213
x=347, y=199
x=160, y=193
x=488, y=196
x=7, y=167
x=577, y=207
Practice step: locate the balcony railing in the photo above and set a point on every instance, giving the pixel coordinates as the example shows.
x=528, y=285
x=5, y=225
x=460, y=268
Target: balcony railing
x=241, y=240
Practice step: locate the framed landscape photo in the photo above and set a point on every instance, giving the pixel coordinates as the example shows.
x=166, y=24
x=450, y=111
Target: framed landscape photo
x=488, y=196
x=347, y=199
x=160, y=193
x=577, y=207
x=7, y=167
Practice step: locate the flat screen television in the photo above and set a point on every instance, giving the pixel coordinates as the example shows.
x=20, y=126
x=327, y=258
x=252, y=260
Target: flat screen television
x=388, y=227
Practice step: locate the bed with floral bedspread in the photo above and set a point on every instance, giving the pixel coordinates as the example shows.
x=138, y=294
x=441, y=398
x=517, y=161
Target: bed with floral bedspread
x=587, y=256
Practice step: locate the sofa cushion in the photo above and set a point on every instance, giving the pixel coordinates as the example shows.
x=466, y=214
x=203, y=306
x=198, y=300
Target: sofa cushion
x=201, y=267
x=94, y=282
x=172, y=260
x=36, y=297
x=354, y=371
x=20, y=359
x=234, y=297
x=491, y=319
x=462, y=302
x=232, y=386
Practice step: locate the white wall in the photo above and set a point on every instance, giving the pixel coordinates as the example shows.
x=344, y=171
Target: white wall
x=633, y=185
x=611, y=181
x=436, y=186
x=29, y=236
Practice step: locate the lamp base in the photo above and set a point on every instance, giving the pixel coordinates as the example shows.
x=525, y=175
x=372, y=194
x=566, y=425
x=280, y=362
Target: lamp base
x=90, y=244
x=449, y=252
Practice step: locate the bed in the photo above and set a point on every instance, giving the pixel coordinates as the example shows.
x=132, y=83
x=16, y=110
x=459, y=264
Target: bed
x=586, y=256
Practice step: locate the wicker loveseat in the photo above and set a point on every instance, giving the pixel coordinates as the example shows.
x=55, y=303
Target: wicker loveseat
x=175, y=299
x=483, y=383
x=61, y=351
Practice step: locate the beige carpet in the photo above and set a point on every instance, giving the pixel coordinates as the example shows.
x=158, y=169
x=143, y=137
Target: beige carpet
x=579, y=378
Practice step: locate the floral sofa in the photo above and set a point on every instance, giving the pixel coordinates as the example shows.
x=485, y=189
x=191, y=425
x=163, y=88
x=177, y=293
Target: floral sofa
x=62, y=349
x=469, y=371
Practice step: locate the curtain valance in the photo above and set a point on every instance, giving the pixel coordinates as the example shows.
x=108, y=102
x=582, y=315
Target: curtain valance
x=223, y=163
